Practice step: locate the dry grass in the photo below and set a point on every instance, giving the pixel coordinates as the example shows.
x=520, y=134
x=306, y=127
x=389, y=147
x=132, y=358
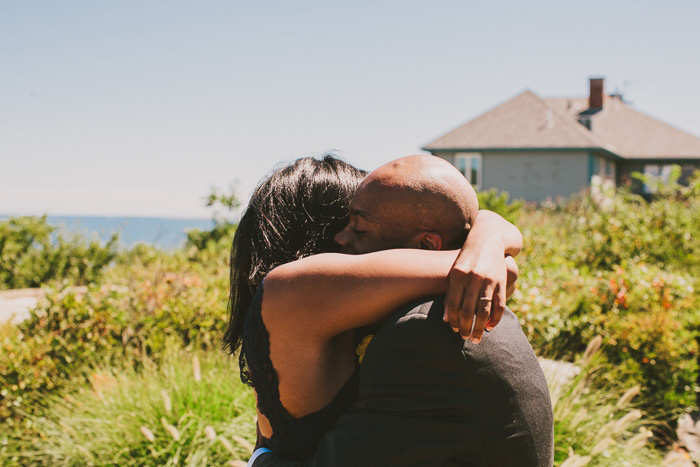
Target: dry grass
x=190, y=410
x=595, y=427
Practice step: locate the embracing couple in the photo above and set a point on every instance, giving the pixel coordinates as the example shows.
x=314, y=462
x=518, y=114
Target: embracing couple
x=359, y=303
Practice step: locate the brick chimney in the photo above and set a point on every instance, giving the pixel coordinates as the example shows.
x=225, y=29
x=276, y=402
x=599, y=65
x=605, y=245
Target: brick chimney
x=595, y=100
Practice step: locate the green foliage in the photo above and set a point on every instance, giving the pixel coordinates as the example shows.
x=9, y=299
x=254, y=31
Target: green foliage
x=496, y=201
x=207, y=245
x=612, y=264
x=192, y=406
x=132, y=317
x=29, y=258
x=213, y=244
x=627, y=228
x=227, y=201
x=671, y=187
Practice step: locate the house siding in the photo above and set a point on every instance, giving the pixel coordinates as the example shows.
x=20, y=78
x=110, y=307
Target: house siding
x=448, y=156
x=533, y=175
x=536, y=176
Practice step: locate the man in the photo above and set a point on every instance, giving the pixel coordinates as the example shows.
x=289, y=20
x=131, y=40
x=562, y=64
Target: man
x=427, y=395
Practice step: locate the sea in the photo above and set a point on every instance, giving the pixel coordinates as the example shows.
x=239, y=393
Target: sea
x=162, y=232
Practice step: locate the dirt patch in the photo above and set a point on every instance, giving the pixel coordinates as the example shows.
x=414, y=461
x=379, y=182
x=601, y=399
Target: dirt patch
x=16, y=304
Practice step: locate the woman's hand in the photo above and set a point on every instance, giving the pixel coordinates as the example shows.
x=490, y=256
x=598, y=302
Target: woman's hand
x=481, y=276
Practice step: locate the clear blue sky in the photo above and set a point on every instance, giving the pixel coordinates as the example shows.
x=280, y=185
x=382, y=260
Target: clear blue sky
x=138, y=108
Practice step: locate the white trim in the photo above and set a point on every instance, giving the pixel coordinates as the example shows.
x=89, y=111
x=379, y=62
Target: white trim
x=472, y=167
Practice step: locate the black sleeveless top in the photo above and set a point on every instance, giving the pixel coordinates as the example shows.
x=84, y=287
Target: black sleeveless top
x=292, y=438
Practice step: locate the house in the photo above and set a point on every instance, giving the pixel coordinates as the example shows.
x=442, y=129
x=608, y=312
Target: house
x=537, y=148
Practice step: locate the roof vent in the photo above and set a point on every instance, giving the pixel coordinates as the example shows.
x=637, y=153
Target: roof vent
x=549, y=119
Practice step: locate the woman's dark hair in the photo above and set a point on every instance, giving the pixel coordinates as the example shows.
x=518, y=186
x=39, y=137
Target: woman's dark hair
x=293, y=213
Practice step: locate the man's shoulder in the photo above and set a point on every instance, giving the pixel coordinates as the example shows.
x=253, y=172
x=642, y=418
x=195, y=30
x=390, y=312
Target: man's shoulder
x=417, y=330
x=422, y=309
x=430, y=310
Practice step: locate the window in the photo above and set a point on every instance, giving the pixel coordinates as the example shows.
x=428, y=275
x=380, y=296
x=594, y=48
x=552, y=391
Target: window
x=603, y=167
x=608, y=169
x=469, y=163
x=660, y=172
x=596, y=165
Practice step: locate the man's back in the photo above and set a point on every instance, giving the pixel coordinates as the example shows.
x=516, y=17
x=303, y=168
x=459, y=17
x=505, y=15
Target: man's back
x=492, y=395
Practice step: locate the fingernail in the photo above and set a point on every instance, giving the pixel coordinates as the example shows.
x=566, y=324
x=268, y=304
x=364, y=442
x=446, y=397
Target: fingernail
x=464, y=337
x=444, y=316
x=489, y=328
x=476, y=340
x=455, y=329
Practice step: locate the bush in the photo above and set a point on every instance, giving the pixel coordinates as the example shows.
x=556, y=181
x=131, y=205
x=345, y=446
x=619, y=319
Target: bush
x=610, y=263
x=496, y=201
x=210, y=245
x=214, y=244
x=605, y=228
x=131, y=318
x=29, y=257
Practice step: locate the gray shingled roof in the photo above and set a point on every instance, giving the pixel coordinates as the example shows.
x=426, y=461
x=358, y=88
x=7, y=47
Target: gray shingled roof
x=529, y=121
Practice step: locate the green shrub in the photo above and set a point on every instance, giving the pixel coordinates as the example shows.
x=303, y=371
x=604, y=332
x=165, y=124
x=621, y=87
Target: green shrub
x=214, y=244
x=210, y=245
x=496, y=201
x=605, y=228
x=131, y=318
x=29, y=257
x=610, y=263
x=649, y=319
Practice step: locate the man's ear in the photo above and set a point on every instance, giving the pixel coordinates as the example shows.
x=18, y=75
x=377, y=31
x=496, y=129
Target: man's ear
x=430, y=241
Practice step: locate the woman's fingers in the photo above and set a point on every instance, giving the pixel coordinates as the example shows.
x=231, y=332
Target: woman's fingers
x=497, y=308
x=483, y=311
x=512, y=275
x=454, y=299
x=476, y=296
x=466, y=320
x=468, y=311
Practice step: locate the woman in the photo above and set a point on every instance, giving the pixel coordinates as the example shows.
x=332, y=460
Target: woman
x=298, y=343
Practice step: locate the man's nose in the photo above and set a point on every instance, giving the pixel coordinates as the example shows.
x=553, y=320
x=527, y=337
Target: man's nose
x=342, y=238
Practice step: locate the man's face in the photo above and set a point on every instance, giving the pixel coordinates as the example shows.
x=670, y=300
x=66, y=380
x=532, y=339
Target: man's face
x=372, y=225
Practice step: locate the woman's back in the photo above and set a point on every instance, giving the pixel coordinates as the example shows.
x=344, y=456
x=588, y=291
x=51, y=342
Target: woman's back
x=314, y=407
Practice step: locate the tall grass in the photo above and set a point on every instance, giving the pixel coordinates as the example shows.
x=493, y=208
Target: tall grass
x=595, y=426
x=189, y=410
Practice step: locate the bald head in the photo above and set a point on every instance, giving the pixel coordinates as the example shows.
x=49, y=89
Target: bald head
x=412, y=196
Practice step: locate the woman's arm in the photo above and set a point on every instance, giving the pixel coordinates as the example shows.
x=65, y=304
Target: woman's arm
x=325, y=295
x=478, y=279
